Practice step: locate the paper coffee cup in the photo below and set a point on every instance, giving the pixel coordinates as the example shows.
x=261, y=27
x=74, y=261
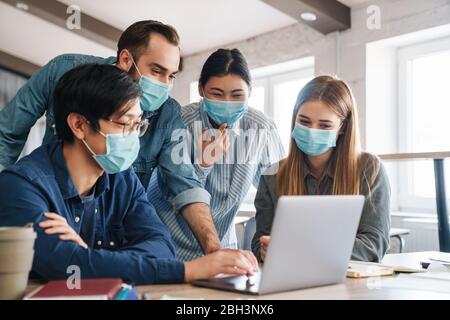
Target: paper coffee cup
x=16, y=259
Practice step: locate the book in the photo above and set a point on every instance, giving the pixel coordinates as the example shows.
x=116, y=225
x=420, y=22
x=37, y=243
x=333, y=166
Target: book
x=360, y=269
x=90, y=289
x=133, y=295
x=122, y=294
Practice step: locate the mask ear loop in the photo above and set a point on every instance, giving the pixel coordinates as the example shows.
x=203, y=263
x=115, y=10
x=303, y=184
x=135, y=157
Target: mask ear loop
x=202, y=101
x=134, y=63
x=204, y=95
x=89, y=148
x=84, y=141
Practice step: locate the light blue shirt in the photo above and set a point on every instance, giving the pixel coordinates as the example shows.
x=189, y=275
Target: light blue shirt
x=255, y=146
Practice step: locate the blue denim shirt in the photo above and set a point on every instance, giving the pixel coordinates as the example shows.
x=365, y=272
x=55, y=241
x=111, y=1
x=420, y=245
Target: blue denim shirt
x=131, y=242
x=179, y=182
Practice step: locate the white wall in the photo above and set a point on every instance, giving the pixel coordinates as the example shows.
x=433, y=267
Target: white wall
x=342, y=53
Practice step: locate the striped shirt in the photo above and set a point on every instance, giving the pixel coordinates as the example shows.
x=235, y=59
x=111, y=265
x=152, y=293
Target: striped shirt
x=254, y=146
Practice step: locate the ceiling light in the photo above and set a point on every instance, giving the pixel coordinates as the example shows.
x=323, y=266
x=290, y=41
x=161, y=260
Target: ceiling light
x=308, y=16
x=22, y=6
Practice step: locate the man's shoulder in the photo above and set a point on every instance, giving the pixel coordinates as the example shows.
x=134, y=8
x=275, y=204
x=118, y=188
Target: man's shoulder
x=77, y=58
x=65, y=62
x=170, y=107
x=35, y=166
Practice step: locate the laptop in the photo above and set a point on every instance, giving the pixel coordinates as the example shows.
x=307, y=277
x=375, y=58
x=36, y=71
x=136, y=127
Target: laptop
x=311, y=244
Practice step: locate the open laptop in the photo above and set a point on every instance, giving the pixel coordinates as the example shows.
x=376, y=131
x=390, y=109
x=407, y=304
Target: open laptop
x=311, y=243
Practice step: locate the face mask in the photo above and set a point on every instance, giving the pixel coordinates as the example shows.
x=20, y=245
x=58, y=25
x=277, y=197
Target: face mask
x=154, y=93
x=314, y=142
x=228, y=112
x=121, y=152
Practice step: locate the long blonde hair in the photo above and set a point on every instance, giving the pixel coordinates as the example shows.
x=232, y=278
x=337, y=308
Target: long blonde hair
x=347, y=155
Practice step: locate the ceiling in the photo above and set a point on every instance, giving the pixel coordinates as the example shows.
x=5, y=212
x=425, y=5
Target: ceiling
x=202, y=24
x=353, y=3
x=37, y=41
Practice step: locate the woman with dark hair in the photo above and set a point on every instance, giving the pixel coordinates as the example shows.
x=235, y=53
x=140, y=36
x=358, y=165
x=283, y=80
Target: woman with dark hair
x=325, y=159
x=233, y=145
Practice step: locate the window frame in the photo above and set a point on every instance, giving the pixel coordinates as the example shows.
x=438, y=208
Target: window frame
x=405, y=57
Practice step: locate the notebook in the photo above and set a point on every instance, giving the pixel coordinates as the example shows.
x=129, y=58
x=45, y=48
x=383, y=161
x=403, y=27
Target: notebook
x=91, y=289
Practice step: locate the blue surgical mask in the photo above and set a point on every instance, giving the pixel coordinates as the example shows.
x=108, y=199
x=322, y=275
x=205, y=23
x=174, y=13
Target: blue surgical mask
x=154, y=93
x=228, y=112
x=313, y=142
x=121, y=152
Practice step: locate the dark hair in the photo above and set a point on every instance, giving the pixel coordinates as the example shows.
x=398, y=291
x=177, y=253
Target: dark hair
x=94, y=91
x=224, y=62
x=135, y=38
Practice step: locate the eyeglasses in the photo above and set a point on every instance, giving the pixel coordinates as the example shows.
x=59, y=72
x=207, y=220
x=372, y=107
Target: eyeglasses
x=132, y=126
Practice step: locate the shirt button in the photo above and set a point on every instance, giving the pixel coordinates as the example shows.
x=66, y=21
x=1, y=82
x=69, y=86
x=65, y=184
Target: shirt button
x=96, y=210
x=111, y=243
x=99, y=243
x=77, y=219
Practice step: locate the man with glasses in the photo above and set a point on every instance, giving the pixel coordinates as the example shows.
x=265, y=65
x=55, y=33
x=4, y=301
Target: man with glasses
x=149, y=52
x=88, y=208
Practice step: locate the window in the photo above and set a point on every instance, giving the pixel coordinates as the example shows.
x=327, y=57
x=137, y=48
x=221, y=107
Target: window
x=423, y=119
x=259, y=94
x=275, y=90
x=285, y=89
x=10, y=83
x=193, y=92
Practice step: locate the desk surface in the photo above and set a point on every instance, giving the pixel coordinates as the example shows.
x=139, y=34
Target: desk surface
x=372, y=288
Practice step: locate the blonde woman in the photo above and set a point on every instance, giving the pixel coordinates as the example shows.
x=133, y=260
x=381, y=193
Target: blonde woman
x=325, y=159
